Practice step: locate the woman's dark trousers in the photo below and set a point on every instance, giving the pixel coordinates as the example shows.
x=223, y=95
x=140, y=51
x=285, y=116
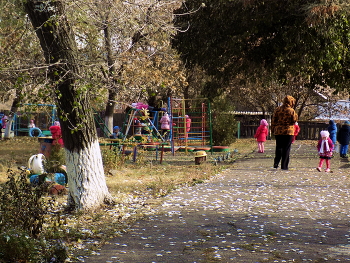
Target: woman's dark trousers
x=283, y=145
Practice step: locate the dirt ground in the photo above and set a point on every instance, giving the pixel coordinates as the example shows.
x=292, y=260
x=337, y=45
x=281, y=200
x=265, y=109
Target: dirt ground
x=251, y=212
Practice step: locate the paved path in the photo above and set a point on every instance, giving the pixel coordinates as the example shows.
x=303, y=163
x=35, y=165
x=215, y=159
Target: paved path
x=249, y=213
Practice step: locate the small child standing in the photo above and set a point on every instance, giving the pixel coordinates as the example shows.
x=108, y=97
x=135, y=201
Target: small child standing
x=296, y=131
x=165, y=124
x=261, y=134
x=117, y=134
x=325, y=149
x=31, y=124
x=343, y=137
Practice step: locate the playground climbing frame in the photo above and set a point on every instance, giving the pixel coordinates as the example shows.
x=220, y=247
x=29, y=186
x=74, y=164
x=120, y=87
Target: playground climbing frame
x=199, y=134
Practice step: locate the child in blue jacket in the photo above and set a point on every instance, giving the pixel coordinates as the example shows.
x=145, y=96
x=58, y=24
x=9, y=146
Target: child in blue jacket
x=343, y=137
x=332, y=129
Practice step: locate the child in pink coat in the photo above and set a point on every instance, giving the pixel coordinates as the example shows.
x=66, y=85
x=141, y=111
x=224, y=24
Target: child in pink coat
x=325, y=149
x=165, y=124
x=261, y=135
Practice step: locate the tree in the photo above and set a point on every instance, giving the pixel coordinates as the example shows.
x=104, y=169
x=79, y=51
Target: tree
x=264, y=96
x=88, y=189
x=129, y=45
x=269, y=41
x=21, y=72
x=223, y=121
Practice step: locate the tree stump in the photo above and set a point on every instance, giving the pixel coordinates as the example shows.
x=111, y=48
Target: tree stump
x=200, y=160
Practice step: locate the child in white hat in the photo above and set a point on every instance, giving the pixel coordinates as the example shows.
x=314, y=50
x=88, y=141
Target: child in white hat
x=325, y=149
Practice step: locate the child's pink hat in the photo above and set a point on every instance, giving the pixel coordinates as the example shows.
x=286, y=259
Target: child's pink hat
x=264, y=122
x=324, y=134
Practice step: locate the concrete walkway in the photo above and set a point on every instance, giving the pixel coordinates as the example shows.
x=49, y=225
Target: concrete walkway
x=249, y=213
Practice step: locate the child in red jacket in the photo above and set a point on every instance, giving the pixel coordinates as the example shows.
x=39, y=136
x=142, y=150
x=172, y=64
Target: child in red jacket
x=296, y=131
x=261, y=135
x=55, y=130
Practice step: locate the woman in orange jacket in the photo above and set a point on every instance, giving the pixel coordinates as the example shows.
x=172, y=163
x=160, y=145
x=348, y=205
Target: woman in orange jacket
x=282, y=125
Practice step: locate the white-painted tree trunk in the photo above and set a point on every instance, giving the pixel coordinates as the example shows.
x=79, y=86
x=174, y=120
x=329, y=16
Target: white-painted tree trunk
x=7, y=134
x=109, y=123
x=86, y=179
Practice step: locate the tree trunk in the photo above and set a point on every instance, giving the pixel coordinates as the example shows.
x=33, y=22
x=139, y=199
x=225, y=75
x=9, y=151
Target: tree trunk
x=112, y=89
x=90, y=189
x=112, y=95
x=86, y=181
x=14, y=108
x=110, y=106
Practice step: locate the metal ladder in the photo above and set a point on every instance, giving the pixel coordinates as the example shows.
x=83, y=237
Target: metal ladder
x=101, y=124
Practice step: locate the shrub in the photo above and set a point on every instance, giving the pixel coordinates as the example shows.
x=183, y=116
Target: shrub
x=56, y=159
x=21, y=205
x=112, y=158
x=23, y=212
x=223, y=122
x=17, y=246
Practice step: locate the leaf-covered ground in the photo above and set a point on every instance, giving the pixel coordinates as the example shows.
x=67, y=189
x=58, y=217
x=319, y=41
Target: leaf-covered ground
x=249, y=212
x=137, y=187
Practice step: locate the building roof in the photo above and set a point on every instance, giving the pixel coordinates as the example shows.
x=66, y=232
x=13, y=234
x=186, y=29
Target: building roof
x=334, y=111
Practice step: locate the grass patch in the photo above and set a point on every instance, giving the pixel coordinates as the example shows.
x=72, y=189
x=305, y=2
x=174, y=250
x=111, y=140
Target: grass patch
x=133, y=183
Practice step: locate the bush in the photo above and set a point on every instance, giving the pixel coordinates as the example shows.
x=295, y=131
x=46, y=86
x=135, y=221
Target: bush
x=112, y=158
x=21, y=205
x=17, y=246
x=23, y=212
x=56, y=159
x=223, y=122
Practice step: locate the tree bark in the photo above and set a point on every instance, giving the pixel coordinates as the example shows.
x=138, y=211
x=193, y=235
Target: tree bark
x=14, y=108
x=86, y=181
x=112, y=89
x=109, y=112
x=112, y=95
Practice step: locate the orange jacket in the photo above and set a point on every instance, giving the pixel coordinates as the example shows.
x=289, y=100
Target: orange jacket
x=284, y=118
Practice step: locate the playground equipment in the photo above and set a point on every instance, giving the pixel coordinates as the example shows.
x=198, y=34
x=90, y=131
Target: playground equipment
x=190, y=126
x=191, y=123
x=142, y=124
x=36, y=163
x=44, y=116
x=100, y=123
